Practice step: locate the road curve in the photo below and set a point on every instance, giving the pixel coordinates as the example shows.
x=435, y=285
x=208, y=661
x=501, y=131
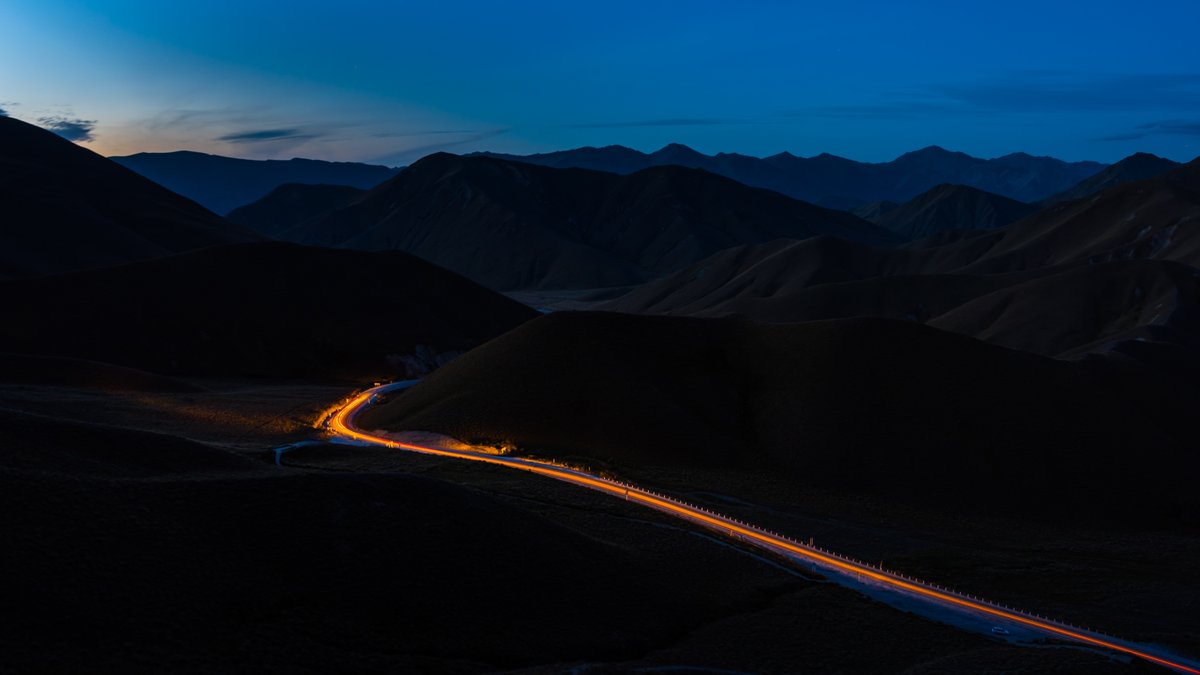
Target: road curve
x=341, y=423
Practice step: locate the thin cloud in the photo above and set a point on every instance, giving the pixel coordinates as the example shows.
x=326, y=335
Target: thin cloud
x=409, y=154
x=1166, y=128
x=71, y=128
x=1132, y=136
x=1064, y=92
x=436, y=132
x=260, y=135
x=1176, y=128
x=670, y=122
x=1027, y=92
x=880, y=111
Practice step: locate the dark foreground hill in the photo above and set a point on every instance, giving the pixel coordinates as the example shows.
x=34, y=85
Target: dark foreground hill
x=511, y=225
x=225, y=183
x=951, y=207
x=65, y=208
x=843, y=183
x=156, y=553
x=262, y=309
x=872, y=406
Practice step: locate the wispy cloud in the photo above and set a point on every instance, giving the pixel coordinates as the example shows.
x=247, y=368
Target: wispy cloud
x=71, y=128
x=3, y=110
x=1165, y=128
x=414, y=153
x=669, y=122
x=1131, y=136
x=436, y=132
x=260, y=135
x=1043, y=91
x=898, y=109
x=1027, y=92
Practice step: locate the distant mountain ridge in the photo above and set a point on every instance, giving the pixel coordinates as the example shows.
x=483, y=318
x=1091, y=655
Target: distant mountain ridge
x=514, y=225
x=222, y=184
x=1138, y=166
x=837, y=182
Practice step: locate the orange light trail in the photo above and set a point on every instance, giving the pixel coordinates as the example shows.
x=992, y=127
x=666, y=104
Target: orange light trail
x=342, y=423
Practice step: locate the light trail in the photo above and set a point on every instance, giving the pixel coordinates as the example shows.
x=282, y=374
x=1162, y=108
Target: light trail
x=341, y=423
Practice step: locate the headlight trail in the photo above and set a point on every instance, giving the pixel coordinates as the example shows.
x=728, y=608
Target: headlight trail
x=341, y=423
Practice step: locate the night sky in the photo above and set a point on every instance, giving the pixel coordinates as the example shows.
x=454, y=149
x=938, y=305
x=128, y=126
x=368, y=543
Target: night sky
x=389, y=82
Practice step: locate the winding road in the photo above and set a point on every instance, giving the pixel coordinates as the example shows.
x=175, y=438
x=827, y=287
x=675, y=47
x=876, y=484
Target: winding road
x=897, y=589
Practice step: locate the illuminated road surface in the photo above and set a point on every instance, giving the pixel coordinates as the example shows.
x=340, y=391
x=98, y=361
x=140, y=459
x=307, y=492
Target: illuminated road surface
x=844, y=570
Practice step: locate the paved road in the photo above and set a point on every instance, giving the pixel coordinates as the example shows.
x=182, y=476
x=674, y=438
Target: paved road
x=938, y=601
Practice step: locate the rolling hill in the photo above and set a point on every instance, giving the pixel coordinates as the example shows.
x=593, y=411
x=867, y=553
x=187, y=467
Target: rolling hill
x=225, y=183
x=1082, y=308
x=67, y=208
x=870, y=406
x=268, y=309
x=842, y=183
x=511, y=225
x=951, y=207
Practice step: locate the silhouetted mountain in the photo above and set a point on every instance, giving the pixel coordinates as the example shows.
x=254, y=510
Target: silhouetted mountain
x=875, y=406
x=1076, y=277
x=512, y=225
x=68, y=208
x=267, y=309
x=841, y=183
x=225, y=183
x=952, y=207
x=1134, y=167
x=289, y=205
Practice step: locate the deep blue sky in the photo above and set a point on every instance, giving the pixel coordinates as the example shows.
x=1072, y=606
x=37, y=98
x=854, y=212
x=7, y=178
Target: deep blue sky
x=390, y=81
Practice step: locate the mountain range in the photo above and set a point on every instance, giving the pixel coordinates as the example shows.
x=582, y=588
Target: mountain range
x=222, y=184
x=837, y=182
x=1113, y=272
x=511, y=225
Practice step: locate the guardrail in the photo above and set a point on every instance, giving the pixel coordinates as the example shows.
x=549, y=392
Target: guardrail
x=853, y=562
